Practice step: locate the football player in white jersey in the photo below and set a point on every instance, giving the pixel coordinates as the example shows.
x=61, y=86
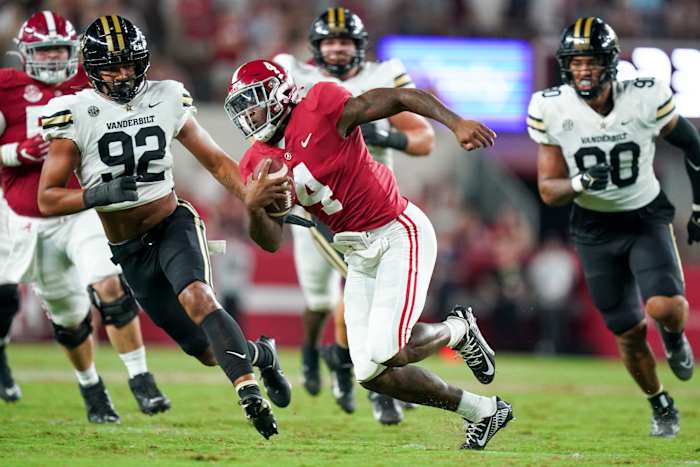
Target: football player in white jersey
x=116, y=137
x=596, y=148
x=338, y=41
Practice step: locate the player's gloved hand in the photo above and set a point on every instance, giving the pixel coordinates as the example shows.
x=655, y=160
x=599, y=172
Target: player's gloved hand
x=694, y=226
x=593, y=178
x=374, y=136
x=29, y=151
x=115, y=191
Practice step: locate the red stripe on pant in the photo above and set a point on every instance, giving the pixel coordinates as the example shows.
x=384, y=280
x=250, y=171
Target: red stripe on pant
x=411, y=308
x=410, y=291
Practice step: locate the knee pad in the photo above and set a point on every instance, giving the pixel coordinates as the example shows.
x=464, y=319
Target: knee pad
x=120, y=312
x=9, y=299
x=72, y=338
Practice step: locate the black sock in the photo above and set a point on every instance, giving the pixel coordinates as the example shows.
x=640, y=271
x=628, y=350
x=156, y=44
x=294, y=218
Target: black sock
x=228, y=343
x=342, y=355
x=661, y=401
x=250, y=389
x=673, y=340
x=9, y=306
x=260, y=355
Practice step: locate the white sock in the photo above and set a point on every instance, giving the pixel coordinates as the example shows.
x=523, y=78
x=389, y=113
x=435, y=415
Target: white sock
x=88, y=377
x=135, y=361
x=474, y=407
x=458, y=328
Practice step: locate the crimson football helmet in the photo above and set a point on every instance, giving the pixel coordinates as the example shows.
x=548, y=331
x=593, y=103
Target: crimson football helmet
x=48, y=29
x=260, y=88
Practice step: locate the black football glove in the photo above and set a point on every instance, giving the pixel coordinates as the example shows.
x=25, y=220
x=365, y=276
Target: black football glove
x=694, y=228
x=595, y=178
x=115, y=191
x=374, y=136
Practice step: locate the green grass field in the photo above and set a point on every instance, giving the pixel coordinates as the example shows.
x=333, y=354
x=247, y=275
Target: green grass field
x=570, y=411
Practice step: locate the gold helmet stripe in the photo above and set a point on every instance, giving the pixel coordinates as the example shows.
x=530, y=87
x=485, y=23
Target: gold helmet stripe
x=331, y=19
x=108, y=34
x=587, y=28
x=341, y=17
x=577, y=28
x=118, y=32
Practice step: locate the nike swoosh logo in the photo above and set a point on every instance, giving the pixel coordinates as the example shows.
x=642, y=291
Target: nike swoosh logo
x=239, y=355
x=687, y=363
x=150, y=106
x=489, y=366
x=485, y=435
x=306, y=141
x=693, y=166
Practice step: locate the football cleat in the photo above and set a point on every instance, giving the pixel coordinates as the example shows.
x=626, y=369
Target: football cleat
x=9, y=390
x=386, y=409
x=342, y=381
x=151, y=401
x=98, y=404
x=680, y=360
x=480, y=433
x=311, y=375
x=665, y=419
x=257, y=411
x=278, y=388
x=480, y=358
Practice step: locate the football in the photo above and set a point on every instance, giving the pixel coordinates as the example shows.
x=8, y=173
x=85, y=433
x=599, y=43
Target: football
x=278, y=169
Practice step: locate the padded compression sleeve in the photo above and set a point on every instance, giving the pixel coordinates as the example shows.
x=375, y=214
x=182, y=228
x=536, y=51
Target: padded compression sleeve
x=686, y=137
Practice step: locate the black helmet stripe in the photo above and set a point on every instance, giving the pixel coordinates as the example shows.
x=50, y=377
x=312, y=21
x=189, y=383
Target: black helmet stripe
x=112, y=32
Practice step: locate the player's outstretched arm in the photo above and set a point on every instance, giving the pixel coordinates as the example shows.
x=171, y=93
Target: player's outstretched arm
x=385, y=102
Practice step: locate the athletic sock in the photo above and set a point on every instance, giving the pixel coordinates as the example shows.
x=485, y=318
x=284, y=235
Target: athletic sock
x=247, y=388
x=88, y=377
x=474, y=407
x=9, y=306
x=228, y=343
x=342, y=355
x=135, y=361
x=260, y=355
x=458, y=328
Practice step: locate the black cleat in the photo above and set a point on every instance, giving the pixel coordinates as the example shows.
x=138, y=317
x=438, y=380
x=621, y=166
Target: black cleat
x=386, y=409
x=310, y=370
x=473, y=348
x=480, y=433
x=151, y=401
x=342, y=381
x=680, y=359
x=278, y=388
x=665, y=420
x=9, y=390
x=258, y=411
x=98, y=404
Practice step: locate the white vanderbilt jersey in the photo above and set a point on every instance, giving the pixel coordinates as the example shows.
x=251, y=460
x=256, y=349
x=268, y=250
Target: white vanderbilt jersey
x=116, y=139
x=389, y=74
x=624, y=138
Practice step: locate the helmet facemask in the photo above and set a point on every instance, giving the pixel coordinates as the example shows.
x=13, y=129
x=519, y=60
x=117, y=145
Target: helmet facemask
x=120, y=91
x=339, y=69
x=49, y=71
x=260, y=98
x=608, y=63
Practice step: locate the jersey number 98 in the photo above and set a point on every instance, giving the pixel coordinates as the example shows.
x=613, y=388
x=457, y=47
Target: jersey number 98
x=589, y=156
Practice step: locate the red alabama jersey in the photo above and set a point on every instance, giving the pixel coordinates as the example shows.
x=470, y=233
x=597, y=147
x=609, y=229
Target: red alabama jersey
x=335, y=178
x=22, y=100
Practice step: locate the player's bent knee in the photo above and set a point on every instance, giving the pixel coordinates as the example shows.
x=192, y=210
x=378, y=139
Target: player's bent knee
x=662, y=308
x=198, y=300
x=119, y=312
x=71, y=337
x=633, y=336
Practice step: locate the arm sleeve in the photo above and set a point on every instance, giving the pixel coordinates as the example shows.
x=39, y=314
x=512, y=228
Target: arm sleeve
x=57, y=121
x=663, y=108
x=186, y=109
x=685, y=136
x=536, y=124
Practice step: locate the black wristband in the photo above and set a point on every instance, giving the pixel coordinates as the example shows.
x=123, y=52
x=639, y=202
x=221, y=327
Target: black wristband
x=397, y=140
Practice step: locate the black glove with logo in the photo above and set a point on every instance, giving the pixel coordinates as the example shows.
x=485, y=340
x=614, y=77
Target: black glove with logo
x=374, y=136
x=115, y=191
x=694, y=227
x=592, y=179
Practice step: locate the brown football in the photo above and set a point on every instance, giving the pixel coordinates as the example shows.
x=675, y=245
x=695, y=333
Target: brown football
x=278, y=169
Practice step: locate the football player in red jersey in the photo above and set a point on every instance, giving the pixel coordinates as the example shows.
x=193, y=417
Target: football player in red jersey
x=388, y=242
x=65, y=258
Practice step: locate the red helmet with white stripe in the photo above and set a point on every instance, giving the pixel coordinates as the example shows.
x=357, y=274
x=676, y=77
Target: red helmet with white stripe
x=260, y=97
x=43, y=31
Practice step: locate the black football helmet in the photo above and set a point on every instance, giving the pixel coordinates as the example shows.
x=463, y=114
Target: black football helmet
x=338, y=22
x=589, y=36
x=113, y=40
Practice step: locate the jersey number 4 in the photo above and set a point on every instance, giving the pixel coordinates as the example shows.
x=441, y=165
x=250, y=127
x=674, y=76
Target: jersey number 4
x=624, y=161
x=310, y=191
x=126, y=155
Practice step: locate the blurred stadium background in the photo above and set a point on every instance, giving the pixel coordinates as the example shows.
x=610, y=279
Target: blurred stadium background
x=500, y=249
